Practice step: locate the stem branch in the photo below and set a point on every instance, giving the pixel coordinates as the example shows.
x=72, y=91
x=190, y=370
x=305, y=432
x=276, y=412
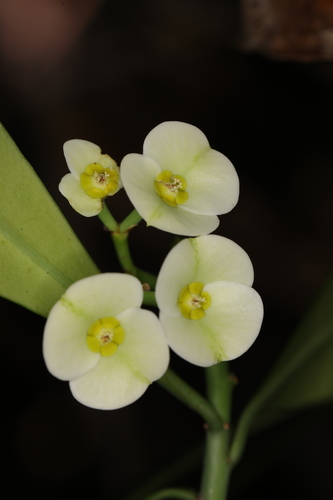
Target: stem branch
x=107, y=219
x=131, y=220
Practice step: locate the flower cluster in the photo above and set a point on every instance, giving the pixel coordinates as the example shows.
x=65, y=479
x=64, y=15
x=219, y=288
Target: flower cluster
x=97, y=335
x=179, y=184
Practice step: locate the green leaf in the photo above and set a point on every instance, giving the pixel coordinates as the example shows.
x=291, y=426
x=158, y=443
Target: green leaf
x=40, y=255
x=301, y=378
x=305, y=368
x=310, y=385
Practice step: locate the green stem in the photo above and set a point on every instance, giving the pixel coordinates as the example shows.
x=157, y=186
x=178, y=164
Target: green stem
x=216, y=462
x=120, y=241
x=180, y=493
x=149, y=299
x=185, y=393
x=107, y=219
x=119, y=234
x=219, y=387
x=216, y=468
x=146, y=277
x=131, y=220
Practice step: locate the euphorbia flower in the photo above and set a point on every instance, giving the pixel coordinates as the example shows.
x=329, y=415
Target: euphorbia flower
x=93, y=177
x=179, y=184
x=99, y=339
x=208, y=309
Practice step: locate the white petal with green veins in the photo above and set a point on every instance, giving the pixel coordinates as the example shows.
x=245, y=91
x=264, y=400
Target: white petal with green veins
x=190, y=340
x=220, y=259
x=228, y=329
x=235, y=315
x=121, y=379
x=174, y=145
x=145, y=348
x=206, y=259
x=106, y=294
x=64, y=344
x=213, y=185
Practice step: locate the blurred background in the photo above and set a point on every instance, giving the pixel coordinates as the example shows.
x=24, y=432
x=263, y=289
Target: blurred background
x=256, y=76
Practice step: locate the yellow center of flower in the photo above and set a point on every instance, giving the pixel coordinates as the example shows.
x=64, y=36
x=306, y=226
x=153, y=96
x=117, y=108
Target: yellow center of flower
x=193, y=302
x=171, y=188
x=105, y=335
x=99, y=182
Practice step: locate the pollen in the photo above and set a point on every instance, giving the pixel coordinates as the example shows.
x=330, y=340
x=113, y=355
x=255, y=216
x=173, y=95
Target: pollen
x=99, y=182
x=171, y=188
x=193, y=301
x=105, y=335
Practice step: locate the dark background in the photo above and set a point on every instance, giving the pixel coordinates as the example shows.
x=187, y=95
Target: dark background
x=109, y=72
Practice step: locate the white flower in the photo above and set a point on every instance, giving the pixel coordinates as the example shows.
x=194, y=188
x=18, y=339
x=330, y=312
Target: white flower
x=179, y=184
x=208, y=309
x=93, y=177
x=99, y=339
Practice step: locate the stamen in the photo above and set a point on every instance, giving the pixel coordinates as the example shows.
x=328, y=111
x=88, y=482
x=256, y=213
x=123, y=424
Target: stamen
x=171, y=188
x=193, y=301
x=105, y=335
x=99, y=182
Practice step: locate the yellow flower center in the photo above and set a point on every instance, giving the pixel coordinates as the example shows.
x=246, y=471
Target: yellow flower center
x=99, y=182
x=105, y=335
x=193, y=302
x=171, y=188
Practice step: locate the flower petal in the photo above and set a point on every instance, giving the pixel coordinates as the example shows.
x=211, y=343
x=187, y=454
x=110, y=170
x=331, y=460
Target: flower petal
x=175, y=145
x=205, y=259
x=110, y=385
x=175, y=220
x=229, y=328
x=64, y=344
x=177, y=271
x=83, y=204
x=122, y=378
x=138, y=173
x=104, y=295
x=212, y=185
x=188, y=339
x=79, y=154
x=220, y=259
x=145, y=348
x=235, y=316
